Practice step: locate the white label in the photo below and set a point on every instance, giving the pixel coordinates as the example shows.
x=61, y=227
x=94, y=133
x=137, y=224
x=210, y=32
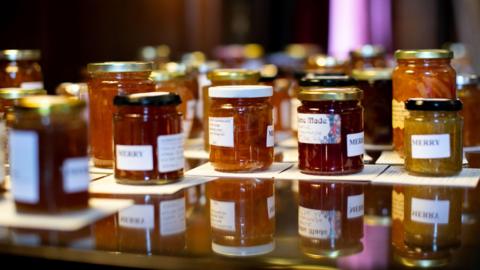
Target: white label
x=134, y=157
x=222, y=215
x=355, y=144
x=271, y=206
x=319, y=128
x=285, y=114
x=170, y=152
x=430, y=211
x=190, y=114
x=270, y=136
x=31, y=85
x=221, y=131
x=294, y=104
x=397, y=205
x=24, y=171
x=172, y=217
x=355, y=206
x=431, y=146
x=75, y=174
x=137, y=217
x=319, y=224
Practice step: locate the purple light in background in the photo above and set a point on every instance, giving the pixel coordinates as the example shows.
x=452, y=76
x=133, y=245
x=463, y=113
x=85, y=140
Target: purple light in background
x=381, y=23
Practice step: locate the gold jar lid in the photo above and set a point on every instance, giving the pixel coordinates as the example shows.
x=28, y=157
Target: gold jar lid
x=165, y=75
x=120, y=67
x=368, y=51
x=48, y=104
x=323, y=94
x=372, y=74
x=16, y=93
x=15, y=55
x=423, y=54
x=233, y=74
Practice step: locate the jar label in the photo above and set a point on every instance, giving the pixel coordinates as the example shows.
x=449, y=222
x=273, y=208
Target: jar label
x=398, y=114
x=222, y=215
x=355, y=144
x=134, y=157
x=170, y=152
x=271, y=206
x=430, y=211
x=320, y=224
x=270, y=136
x=285, y=114
x=221, y=131
x=397, y=205
x=172, y=217
x=294, y=104
x=190, y=114
x=137, y=216
x=24, y=167
x=75, y=174
x=430, y=146
x=32, y=85
x=319, y=128
x=355, y=206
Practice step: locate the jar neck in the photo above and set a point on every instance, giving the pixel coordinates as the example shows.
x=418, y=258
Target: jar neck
x=434, y=114
x=424, y=62
x=144, y=75
x=241, y=100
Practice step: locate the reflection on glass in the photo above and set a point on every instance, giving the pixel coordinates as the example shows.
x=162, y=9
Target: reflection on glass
x=34, y=237
x=378, y=200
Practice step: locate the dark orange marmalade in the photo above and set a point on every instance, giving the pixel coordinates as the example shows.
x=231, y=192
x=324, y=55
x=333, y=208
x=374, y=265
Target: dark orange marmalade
x=20, y=68
x=108, y=80
x=148, y=138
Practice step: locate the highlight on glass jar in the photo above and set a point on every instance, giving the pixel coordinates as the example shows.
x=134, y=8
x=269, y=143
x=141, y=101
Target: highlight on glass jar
x=242, y=216
x=21, y=68
x=433, y=137
x=419, y=74
x=148, y=139
x=469, y=93
x=368, y=56
x=330, y=218
x=241, y=128
x=107, y=80
x=48, y=176
x=330, y=126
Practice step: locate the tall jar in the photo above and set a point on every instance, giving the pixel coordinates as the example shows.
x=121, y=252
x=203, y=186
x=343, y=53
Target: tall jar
x=469, y=93
x=107, y=80
x=419, y=74
x=20, y=68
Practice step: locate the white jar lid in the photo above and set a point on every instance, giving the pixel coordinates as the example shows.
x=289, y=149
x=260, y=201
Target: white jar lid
x=240, y=91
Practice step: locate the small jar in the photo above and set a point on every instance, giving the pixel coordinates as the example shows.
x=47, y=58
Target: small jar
x=330, y=127
x=242, y=216
x=419, y=74
x=241, y=128
x=20, y=68
x=469, y=93
x=107, y=80
x=368, y=56
x=148, y=139
x=48, y=176
x=433, y=137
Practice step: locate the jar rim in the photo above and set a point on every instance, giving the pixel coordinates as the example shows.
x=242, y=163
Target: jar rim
x=372, y=74
x=16, y=93
x=433, y=104
x=423, y=54
x=46, y=104
x=147, y=99
x=233, y=74
x=166, y=75
x=240, y=91
x=128, y=66
x=15, y=55
x=324, y=94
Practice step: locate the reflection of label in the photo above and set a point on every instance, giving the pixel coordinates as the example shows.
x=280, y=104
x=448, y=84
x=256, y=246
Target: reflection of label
x=170, y=152
x=320, y=224
x=294, y=104
x=134, y=157
x=172, y=217
x=24, y=165
x=430, y=211
x=192, y=195
x=187, y=127
x=430, y=146
x=270, y=136
x=285, y=114
x=271, y=206
x=222, y=215
x=190, y=109
x=137, y=217
x=397, y=205
x=319, y=128
x=75, y=174
x=221, y=131
x=31, y=85
x=355, y=144
x=398, y=114
x=355, y=206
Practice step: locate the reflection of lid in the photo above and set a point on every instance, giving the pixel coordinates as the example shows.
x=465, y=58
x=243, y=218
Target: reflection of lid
x=148, y=99
x=368, y=51
x=326, y=81
x=423, y=54
x=233, y=74
x=433, y=104
x=240, y=91
x=467, y=79
x=49, y=104
x=120, y=67
x=321, y=94
x=318, y=253
x=422, y=263
x=372, y=74
x=14, y=55
x=16, y=93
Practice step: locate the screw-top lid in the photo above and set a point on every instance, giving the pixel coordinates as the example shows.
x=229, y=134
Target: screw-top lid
x=45, y=105
x=327, y=81
x=299, y=74
x=16, y=55
x=16, y=93
x=467, y=79
x=423, y=54
x=372, y=74
x=148, y=99
x=433, y=104
x=224, y=74
x=120, y=67
x=368, y=51
x=323, y=94
x=240, y=91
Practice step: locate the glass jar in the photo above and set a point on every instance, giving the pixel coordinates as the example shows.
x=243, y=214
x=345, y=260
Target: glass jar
x=148, y=139
x=433, y=137
x=107, y=80
x=368, y=56
x=330, y=128
x=20, y=68
x=78, y=90
x=48, y=176
x=242, y=216
x=241, y=128
x=324, y=64
x=419, y=74
x=469, y=93
x=330, y=218
x=219, y=77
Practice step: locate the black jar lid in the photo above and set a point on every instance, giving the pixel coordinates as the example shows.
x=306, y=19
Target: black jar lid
x=327, y=81
x=148, y=99
x=433, y=104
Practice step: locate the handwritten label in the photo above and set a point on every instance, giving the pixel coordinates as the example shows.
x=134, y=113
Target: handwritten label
x=221, y=131
x=355, y=144
x=430, y=146
x=319, y=128
x=172, y=217
x=222, y=215
x=137, y=217
x=134, y=157
x=355, y=206
x=430, y=211
x=320, y=224
x=271, y=206
x=75, y=174
x=170, y=152
x=270, y=136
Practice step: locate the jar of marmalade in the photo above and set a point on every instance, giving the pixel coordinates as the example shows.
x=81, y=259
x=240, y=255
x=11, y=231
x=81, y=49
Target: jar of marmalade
x=241, y=128
x=469, y=93
x=368, y=56
x=148, y=139
x=48, y=176
x=20, y=68
x=330, y=127
x=433, y=136
x=419, y=74
x=107, y=80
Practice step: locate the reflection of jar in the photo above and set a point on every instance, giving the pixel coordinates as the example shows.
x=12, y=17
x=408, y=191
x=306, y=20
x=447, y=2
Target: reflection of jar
x=469, y=93
x=368, y=56
x=241, y=127
x=148, y=138
x=20, y=68
x=242, y=216
x=433, y=137
x=330, y=218
x=108, y=80
x=48, y=176
x=330, y=130
x=419, y=74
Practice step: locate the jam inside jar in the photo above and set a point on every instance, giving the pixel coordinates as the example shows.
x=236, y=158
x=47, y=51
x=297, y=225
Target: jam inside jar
x=20, y=68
